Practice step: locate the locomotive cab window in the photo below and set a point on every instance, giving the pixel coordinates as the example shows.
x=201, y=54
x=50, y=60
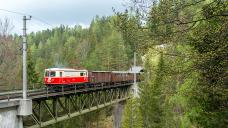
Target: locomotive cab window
x=81, y=73
x=46, y=73
x=52, y=74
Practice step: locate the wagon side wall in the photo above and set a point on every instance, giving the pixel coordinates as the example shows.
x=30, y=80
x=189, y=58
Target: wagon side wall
x=99, y=77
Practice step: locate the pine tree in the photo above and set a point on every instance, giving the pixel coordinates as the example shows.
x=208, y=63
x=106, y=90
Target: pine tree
x=32, y=74
x=132, y=117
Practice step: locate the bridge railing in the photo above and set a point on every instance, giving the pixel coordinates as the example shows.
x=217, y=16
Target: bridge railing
x=53, y=89
x=16, y=94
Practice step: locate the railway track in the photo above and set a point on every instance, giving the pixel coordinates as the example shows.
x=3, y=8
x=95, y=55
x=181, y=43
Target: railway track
x=59, y=91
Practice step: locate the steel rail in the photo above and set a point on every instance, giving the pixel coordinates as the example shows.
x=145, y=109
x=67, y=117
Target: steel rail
x=48, y=91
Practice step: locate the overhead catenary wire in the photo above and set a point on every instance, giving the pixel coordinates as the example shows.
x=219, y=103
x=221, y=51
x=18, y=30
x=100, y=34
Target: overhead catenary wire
x=19, y=13
x=41, y=20
x=24, y=14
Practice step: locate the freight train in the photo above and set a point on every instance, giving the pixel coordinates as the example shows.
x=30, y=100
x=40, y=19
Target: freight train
x=67, y=76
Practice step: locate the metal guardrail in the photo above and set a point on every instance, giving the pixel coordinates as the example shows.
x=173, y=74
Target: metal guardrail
x=60, y=90
x=17, y=94
x=19, y=91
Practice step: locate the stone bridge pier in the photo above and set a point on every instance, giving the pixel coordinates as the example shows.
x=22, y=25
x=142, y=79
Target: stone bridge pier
x=118, y=113
x=11, y=112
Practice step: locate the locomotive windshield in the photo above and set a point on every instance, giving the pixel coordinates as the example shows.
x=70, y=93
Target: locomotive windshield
x=50, y=74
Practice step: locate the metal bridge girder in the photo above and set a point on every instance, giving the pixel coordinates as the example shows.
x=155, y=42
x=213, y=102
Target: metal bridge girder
x=50, y=110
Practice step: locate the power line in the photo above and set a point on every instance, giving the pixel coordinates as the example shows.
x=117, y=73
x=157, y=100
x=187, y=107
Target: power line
x=23, y=14
x=19, y=13
x=38, y=19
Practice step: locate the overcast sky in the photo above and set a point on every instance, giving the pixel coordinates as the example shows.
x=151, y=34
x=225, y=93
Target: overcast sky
x=56, y=12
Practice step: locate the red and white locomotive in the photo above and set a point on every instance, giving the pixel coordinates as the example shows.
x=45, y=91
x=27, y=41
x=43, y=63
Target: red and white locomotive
x=66, y=76
x=61, y=76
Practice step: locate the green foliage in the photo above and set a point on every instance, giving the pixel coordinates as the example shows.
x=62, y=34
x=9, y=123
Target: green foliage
x=109, y=55
x=151, y=95
x=132, y=117
x=210, y=42
x=188, y=87
x=184, y=46
x=99, y=47
x=32, y=74
x=129, y=26
x=94, y=119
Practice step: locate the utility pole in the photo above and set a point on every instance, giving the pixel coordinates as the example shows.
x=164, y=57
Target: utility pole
x=134, y=90
x=25, y=57
x=13, y=111
x=134, y=67
x=25, y=104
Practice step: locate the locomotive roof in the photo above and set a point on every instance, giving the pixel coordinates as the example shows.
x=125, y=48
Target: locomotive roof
x=64, y=69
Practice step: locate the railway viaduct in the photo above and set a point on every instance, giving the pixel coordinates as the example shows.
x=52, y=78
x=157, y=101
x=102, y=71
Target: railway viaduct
x=47, y=106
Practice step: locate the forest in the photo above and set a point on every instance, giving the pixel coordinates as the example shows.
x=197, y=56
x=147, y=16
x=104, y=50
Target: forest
x=184, y=47
x=181, y=44
x=99, y=47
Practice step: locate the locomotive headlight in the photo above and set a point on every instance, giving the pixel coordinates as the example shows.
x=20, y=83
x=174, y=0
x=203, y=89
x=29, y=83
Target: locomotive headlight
x=49, y=79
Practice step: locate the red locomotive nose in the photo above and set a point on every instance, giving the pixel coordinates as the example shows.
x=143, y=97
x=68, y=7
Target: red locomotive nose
x=49, y=80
